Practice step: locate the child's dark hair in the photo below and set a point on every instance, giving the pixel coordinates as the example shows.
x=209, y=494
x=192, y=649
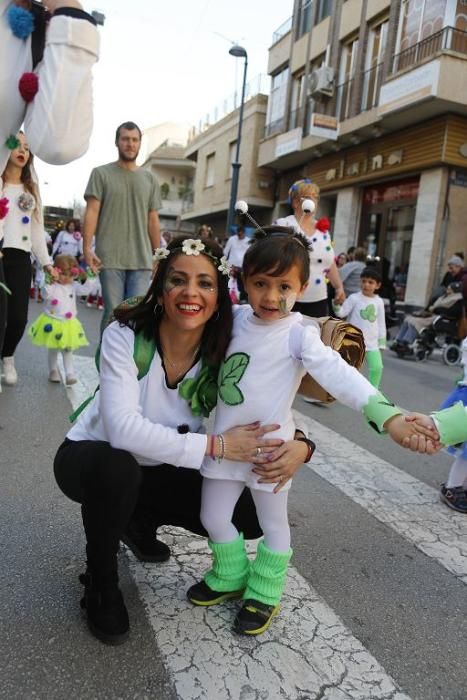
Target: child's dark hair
x=145, y=316
x=274, y=250
x=371, y=272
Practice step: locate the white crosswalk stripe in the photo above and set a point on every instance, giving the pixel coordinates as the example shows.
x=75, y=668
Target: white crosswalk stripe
x=308, y=653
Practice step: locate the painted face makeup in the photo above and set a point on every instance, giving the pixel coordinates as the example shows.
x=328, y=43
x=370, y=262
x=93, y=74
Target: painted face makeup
x=286, y=303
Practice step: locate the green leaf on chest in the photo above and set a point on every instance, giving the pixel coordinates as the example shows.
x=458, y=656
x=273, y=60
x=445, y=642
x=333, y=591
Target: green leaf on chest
x=230, y=374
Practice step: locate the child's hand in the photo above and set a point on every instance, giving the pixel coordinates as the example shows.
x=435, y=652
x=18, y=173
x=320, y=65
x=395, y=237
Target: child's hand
x=416, y=436
x=422, y=424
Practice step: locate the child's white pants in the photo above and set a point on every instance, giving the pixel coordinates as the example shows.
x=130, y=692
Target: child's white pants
x=218, y=499
x=52, y=356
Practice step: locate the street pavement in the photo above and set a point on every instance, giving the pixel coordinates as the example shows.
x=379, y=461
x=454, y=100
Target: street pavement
x=374, y=603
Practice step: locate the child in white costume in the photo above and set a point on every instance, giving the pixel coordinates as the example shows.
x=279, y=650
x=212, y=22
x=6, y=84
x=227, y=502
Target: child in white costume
x=269, y=353
x=58, y=328
x=365, y=310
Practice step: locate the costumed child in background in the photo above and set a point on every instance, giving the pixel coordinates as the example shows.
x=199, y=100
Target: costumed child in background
x=454, y=492
x=365, y=310
x=269, y=353
x=68, y=242
x=58, y=328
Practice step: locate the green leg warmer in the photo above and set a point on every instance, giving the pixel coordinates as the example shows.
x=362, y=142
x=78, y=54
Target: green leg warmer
x=268, y=575
x=230, y=566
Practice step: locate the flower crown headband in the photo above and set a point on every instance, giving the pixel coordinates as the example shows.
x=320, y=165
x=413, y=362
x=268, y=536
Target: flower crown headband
x=193, y=246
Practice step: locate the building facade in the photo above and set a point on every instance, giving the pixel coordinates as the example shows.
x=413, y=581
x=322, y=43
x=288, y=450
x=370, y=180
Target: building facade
x=213, y=151
x=369, y=100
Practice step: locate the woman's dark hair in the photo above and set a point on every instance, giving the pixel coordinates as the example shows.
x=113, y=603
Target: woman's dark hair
x=144, y=317
x=274, y=250
x=70, y=221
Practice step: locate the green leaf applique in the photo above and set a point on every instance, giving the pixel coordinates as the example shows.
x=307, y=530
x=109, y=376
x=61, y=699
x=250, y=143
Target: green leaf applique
x=231, y=372
x=369, y=313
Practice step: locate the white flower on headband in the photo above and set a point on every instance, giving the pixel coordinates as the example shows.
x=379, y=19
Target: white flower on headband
x=225, y=267
x=191, y=246
x=160, y=254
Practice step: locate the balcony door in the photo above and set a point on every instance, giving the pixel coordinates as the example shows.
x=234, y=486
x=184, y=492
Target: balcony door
x=373, y=63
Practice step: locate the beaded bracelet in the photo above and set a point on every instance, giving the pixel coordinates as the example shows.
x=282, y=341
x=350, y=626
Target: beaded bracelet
x=211, y=443
x=221, y=454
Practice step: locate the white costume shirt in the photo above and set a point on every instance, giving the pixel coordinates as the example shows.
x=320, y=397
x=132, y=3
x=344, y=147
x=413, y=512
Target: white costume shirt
x=29, y=236
x=321, y=259
x=142, y=416
x=366, y=313
x=235, y=250
x=58, y=121
x=61, y=298
x=264, y=365
x=68, y=243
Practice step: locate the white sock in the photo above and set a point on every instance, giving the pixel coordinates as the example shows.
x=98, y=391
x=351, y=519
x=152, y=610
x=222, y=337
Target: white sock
x=458, y=474
x=52, y=358
x=68, y=363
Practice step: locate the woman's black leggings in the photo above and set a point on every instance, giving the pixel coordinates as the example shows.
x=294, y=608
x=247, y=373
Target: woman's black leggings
x=111, y=485
x=3, y=306
x=17, y=269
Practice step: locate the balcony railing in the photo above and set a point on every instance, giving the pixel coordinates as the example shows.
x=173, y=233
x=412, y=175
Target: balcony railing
x=447, y=39
x=282, y=30
x=276, y=127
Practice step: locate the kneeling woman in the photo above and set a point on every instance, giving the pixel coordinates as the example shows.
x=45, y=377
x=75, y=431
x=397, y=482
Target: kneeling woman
x=118, y=460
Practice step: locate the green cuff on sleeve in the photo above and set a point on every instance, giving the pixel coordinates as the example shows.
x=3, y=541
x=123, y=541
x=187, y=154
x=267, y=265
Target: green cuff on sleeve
x=382, y=343
x=452, y=424
x=379, y=410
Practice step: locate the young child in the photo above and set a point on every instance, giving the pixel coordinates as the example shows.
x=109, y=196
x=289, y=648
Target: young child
x=269, y=353
x=58, y=328
x=365, y=310
x=454, y=492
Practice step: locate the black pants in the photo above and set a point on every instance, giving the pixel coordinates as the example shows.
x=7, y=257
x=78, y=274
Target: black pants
x=111, y=486
x=315, y=309
x=3, y=306
x=17, y=269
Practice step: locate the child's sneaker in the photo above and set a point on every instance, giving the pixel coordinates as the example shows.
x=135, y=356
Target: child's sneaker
x=100, y=304
x=254, y=617
x=70, y=379
x=54, y=376
x=455, y=497
x=202, y=594
x=90, y=301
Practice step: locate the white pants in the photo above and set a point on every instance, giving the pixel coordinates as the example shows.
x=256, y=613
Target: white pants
x=218, y=499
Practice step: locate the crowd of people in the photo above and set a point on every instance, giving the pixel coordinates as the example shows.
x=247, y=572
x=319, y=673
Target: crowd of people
x=174, y=349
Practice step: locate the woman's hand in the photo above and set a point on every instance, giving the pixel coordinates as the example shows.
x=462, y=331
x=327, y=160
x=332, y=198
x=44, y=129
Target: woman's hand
x=413, y=435
x=246, y=442
x=420, y=442
x=281, y=464
x=339, y=295
x=51, y=270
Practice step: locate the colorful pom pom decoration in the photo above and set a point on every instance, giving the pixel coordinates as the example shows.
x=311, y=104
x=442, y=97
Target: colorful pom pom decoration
x=77, y=236
x=323, y=224
x=25, y=238
x=68, y=314
x=54, y=302
x=4, y=209
x=12, y=142
x=26, y=202
x=21, y=21
x=28, y=86
x=25, y=220
x=48, y=328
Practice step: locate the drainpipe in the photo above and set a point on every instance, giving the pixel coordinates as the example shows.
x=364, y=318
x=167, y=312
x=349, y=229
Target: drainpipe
x=443, y=231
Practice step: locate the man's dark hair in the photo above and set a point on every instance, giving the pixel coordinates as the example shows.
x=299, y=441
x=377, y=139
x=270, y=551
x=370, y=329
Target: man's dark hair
x=274, y=250
x=129, y=126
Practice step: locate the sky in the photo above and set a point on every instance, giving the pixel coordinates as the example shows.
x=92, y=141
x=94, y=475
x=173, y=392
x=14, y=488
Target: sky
x=164, y=61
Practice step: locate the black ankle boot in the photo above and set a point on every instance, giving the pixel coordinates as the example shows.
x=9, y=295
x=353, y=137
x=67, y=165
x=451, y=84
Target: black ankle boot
x=141, y=538
x=106, y=612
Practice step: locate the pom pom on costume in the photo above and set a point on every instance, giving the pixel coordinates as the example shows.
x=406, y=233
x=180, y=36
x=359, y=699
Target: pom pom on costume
x=12, y=142
x=21, y=21
x=28, y=86
x=26, y=202
x=323, y=224
x=25, y=220
x=4, y=209
x=48, y=328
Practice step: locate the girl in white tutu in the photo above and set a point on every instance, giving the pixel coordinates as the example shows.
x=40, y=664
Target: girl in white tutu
x=58, y=328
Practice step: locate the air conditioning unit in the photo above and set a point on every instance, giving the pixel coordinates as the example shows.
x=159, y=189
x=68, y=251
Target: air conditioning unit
x=321, y=82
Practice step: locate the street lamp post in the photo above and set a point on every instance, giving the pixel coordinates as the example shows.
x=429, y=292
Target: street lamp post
x=238, y=52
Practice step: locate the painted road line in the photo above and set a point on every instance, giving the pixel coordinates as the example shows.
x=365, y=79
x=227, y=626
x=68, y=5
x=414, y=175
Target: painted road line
x=395, y=498
x=307, y=653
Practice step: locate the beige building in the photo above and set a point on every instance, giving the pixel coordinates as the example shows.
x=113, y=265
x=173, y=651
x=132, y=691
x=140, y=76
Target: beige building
x=175, y=175
x=369, y=99
x=213, y=151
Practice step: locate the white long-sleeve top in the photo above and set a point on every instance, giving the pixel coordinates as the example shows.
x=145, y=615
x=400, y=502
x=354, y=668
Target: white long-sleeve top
x=366, y=313
x=58, y=121
x=29, y=236
x=140, y=416
x=276, y=355
x=60, y=299
x=321, y=259
x=68, y=243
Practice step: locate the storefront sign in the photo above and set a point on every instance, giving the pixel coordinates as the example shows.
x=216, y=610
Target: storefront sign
x=288, y=142
x=391, y=192
x=414, y=86
x=324, y=126
x=364, y=166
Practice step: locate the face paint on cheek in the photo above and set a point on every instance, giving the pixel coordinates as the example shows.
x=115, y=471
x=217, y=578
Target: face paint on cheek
x=171, y=284
x=286, y=303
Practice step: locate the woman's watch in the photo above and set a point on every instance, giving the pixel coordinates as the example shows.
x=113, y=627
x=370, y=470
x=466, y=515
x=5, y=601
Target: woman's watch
x=311, y=447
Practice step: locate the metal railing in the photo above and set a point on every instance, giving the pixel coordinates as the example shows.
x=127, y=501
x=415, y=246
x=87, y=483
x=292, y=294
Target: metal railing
x=447, y=39
x=276, y=127
x=282, y=30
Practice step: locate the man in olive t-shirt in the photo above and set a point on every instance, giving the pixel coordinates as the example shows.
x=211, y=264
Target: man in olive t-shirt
x=121, y=212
